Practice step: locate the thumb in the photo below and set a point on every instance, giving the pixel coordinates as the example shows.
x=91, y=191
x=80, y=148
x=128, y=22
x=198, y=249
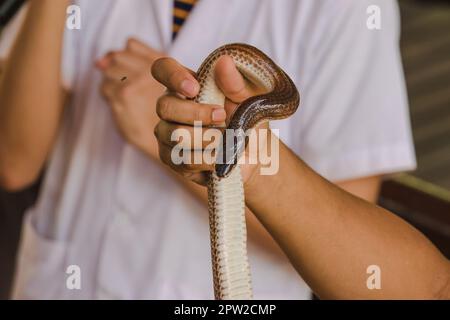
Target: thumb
x=230, y=80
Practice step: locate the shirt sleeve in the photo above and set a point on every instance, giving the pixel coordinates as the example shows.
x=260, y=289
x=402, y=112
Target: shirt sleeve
x=354, y=118
x=68, y=61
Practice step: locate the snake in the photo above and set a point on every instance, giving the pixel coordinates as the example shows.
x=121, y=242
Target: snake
x=226, y=203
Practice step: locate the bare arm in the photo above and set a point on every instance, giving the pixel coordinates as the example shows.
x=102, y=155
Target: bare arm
x=366, y=188
x=331, y=237
x=31, y=95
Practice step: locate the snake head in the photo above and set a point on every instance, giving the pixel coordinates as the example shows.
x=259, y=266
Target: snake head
x=234, y=143
x=224, y=170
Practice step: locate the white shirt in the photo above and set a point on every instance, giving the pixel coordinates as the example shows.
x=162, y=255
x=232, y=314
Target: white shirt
x=134, y=231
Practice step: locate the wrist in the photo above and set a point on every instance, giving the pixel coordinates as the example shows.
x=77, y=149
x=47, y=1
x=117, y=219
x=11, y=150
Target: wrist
x=261, y=183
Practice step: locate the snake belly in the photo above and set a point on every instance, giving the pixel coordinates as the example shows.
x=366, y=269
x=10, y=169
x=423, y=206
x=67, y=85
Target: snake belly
x=231, y=270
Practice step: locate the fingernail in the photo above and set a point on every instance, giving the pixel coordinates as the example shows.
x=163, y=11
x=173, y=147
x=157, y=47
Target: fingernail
x=219, y=115
x=189, y=88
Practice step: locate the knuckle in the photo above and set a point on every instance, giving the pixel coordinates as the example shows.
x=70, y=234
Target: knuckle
x=131, y=43
x=189, y=168
x=154, y=55
x=115, y=56
x=162, y=108
x=239, y=94
x=157, y=130
x=202, y=114
x=158, y=65
x=189, y=175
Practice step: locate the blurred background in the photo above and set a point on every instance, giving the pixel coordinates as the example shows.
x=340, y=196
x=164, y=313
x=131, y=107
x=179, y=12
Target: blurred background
x=421, y=197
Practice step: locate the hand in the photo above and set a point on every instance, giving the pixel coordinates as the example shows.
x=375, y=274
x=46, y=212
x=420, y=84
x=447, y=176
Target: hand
x=176, y=112
x=132, y=93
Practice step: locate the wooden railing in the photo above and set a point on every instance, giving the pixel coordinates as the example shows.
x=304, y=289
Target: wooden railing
x=424, y=205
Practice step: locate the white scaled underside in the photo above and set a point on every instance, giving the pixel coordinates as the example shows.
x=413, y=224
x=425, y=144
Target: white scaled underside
x=232, y=270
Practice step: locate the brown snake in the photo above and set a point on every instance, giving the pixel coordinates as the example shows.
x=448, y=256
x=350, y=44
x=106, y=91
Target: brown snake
x=231, y=271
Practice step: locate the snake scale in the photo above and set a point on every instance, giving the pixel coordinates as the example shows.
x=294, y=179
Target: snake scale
x=231, y=270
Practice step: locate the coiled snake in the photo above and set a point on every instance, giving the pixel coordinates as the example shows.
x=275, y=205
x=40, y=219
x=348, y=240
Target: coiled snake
x=231, y=270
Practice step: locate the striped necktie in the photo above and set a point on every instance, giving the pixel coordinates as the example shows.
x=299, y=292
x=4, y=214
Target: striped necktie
x=181, y=11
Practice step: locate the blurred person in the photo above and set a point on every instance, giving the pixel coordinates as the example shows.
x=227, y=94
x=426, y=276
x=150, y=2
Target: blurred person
x=108, y=206
x=12, y=205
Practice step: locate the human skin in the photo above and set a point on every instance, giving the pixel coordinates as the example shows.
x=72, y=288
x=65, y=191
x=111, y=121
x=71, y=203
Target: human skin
x=133, y=101
x=131, y=93
x=330, y=236
x=28, y=123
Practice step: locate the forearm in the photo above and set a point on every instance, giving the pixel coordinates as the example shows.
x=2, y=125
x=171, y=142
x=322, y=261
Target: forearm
x=366, y=188
x=331, y=237
x=30, y=91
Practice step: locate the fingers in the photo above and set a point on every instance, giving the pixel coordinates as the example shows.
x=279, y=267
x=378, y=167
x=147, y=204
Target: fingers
x=174, y=109
x=172, y=157
x=231, y=82
x=181, y=80
x=175, y=77
x=115, y=91
x=187, y=137
x=116, y=65
x=136, y=58
x=140, y=48
x=109, y=88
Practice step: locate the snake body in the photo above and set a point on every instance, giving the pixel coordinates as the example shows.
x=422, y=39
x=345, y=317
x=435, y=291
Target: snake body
x=231, y=270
